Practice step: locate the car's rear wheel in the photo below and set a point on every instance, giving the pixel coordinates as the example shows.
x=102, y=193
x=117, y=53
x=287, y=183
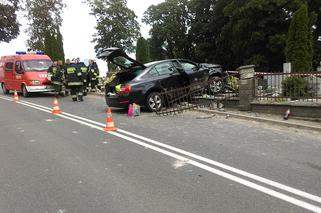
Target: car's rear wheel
x=4, y=89
x=24, y=90
x=216, y=85
x=154, y=101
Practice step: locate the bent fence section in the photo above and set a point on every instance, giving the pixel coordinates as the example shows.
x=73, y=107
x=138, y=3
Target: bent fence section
x=199, y=95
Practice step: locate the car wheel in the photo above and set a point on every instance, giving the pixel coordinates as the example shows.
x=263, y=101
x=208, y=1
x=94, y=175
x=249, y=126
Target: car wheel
x=216, y=85
x=4, y=89
x=24, y=90
x=154, y=101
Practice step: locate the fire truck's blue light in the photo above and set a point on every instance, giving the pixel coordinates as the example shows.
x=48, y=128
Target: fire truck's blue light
x=40, y=53
x=21, y=52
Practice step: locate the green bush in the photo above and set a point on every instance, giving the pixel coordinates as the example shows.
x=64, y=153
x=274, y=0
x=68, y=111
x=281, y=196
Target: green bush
x=233, y=83
x=295, y=87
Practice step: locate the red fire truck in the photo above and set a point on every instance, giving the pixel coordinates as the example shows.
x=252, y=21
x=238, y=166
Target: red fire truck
x=25, y=73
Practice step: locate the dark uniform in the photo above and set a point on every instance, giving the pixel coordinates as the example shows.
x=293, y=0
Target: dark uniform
x=93, y=73
x=83, y=69
x=56, y=73
x=75, y=81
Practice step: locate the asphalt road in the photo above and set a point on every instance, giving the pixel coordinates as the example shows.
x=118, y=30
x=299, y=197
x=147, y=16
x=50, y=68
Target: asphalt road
x=184, y=163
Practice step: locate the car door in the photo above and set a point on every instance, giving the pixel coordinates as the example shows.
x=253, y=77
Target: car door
x=8, y=74
x=196, y=74
x=169, y=77
x=18, y=75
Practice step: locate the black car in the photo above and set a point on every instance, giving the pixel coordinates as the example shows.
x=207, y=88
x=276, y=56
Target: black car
x=143, y=83
x=217, y=76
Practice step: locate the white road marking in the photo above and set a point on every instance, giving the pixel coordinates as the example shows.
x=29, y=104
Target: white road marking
x=178, y=164
x=199, y=165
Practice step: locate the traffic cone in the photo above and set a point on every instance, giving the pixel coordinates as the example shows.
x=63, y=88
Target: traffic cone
x=110, y=126
x=130, y=111
x=15, y=96
x=56, y=109
x=287, y=114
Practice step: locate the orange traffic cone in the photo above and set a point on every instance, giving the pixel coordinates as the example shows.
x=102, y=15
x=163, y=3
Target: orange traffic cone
x=56, y=109
x=110, y=126
x=15, y=96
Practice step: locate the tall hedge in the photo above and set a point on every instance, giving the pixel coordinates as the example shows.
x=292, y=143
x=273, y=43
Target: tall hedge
x=142, y=51
x=299, y=49
x=54, y=46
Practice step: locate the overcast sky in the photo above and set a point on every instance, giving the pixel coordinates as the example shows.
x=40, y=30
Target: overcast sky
x=77, y=30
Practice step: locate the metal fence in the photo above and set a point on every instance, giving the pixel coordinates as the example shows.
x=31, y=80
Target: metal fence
x=209, y=94
x=283, y=87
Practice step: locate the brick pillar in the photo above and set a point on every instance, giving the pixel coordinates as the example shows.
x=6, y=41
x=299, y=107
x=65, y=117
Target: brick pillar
x=247, y=86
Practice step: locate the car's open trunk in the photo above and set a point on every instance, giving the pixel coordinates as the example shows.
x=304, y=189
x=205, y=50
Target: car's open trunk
x=121, y=79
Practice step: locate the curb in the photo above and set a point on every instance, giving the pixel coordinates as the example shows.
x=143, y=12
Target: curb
x=265, y=120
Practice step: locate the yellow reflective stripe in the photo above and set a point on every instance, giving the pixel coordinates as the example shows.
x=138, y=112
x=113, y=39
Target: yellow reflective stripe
x=84, y=69
x=110, y=79
x=71, y=70
x=79, y=74
x=75, y=83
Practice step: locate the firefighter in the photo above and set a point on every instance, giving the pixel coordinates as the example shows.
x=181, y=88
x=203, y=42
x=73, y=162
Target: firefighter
x=93, y=73
x=67, y=89
x=56, y=76
x=74, y=80
x=83, y=69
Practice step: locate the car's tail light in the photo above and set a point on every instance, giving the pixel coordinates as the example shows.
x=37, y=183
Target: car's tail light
x=125, y=89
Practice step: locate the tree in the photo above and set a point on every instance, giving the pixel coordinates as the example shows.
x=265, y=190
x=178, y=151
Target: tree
x=116, y=24
x=314, y=6
x=170, y=22
x=142, y=51
x=203, y=29
x=49, y=45
x=54, y=46
x=155, y=49
x=299, y=41
x=255, y=32
x=9, y=26
x=43, y=16
x=60, y=47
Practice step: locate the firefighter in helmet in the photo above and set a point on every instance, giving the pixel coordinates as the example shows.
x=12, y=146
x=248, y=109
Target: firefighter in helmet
x=55, y=73
x=93, y=73
x=74, y=80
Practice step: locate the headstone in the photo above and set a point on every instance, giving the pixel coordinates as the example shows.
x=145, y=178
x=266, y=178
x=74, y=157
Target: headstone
x=287, y=68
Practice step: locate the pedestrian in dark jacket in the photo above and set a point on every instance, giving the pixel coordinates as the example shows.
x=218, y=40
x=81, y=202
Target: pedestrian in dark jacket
x=56, y=76
x=93, y=73
x=84, y=72
x=74, y=80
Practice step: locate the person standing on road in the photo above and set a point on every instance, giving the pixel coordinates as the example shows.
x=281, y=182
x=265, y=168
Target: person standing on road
x=74, y=80
x=67, y=89
x=93, y=74
x=83, y=69
x=56, y=76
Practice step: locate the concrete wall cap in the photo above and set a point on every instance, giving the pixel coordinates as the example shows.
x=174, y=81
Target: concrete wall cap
x=245, y=67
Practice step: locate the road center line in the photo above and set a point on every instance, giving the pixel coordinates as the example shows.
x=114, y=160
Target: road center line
x=226, y=175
